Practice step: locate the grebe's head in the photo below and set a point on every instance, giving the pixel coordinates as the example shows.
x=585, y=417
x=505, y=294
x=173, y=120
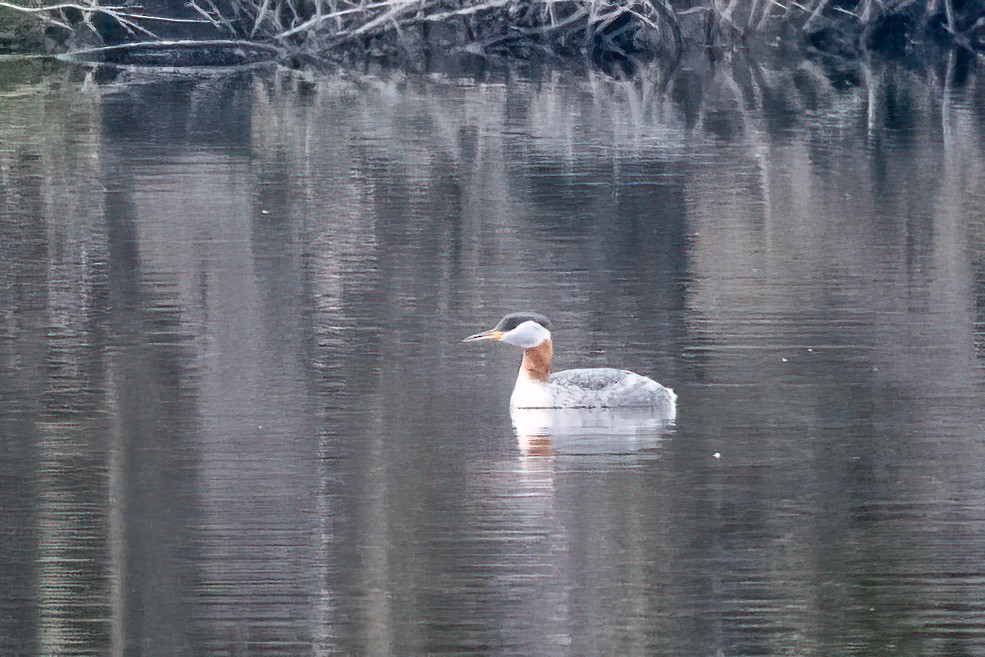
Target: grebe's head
x=525, y=329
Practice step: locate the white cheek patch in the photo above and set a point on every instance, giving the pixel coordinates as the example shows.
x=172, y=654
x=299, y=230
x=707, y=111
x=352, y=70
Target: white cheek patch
x=527, y=335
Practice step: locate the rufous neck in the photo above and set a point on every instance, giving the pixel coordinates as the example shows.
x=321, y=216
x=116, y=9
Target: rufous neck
x=536, y=364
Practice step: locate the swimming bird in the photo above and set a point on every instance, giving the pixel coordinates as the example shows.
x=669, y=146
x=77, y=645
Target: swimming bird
x=600, y=387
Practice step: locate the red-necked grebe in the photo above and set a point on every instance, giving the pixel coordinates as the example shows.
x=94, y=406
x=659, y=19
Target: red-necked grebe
x=601, y=387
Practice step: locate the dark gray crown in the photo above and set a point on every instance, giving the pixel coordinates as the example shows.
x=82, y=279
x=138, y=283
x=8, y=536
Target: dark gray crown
x=513, y=320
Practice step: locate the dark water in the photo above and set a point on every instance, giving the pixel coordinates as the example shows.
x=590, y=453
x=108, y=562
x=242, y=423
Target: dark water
x=236, y=417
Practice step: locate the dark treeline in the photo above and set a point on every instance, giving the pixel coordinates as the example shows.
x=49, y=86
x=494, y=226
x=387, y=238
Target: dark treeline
x=616, y=34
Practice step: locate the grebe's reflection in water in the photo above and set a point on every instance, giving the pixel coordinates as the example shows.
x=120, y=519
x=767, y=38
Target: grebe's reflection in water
x=589, y=431
x=542, y=541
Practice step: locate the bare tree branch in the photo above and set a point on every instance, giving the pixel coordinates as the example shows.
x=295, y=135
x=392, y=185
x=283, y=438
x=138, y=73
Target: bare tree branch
x=182, y=43
x=634, y=28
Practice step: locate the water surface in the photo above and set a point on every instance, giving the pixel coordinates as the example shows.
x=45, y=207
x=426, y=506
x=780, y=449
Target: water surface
x=236, y=416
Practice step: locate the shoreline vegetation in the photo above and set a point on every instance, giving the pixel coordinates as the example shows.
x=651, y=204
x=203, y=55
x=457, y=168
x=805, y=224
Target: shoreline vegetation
x=618, y=36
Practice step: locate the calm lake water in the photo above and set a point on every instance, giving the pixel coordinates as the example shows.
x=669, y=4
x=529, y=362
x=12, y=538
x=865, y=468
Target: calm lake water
x=237, y=418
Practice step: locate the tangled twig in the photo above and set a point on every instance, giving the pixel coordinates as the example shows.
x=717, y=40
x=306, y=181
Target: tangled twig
x=624, y=28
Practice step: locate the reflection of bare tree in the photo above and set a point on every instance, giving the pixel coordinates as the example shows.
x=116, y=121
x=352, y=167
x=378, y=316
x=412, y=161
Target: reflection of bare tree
x=870, y=295
x=53, y=384
x=145, y=465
